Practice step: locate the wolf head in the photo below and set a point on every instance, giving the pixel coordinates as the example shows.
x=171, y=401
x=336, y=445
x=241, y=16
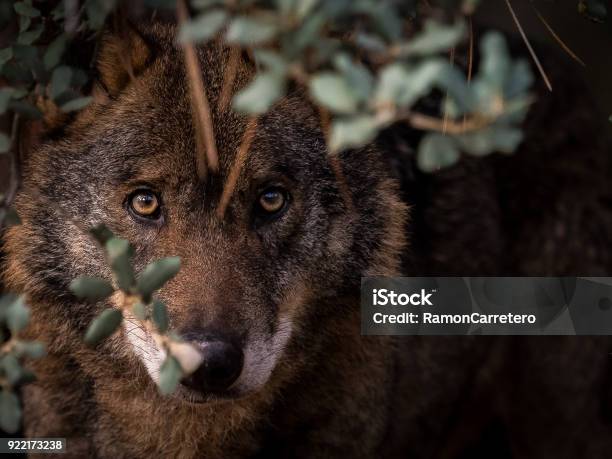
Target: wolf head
x=258, y=286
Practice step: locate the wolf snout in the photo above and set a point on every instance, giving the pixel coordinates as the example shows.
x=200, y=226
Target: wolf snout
x=222, y=361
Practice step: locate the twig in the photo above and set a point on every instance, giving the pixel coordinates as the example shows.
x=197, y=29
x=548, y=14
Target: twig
x=531, y=51
x=207, y=159
x=558, y=38
x=241, y=155
x=229, y=78
x=334, y=160
x=476, y=123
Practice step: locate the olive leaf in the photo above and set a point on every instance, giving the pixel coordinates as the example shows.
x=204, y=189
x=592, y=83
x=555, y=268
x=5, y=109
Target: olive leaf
x=170, y=375
x=103, y=326
x=160, y=316
x=156, y=274
x=91, y=288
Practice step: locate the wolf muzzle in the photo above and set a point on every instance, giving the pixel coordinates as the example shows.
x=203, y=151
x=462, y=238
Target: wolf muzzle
x=222, y=362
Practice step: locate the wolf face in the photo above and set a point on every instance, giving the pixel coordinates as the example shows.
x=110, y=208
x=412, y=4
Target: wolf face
x=257, y=286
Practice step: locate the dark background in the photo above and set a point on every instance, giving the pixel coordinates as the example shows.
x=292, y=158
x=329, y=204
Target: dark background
x=590, y=41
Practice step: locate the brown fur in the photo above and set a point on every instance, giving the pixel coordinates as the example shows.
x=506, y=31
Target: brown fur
x=332, y=392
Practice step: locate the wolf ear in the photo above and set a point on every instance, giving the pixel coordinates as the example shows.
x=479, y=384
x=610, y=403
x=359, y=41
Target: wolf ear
x=124, y=53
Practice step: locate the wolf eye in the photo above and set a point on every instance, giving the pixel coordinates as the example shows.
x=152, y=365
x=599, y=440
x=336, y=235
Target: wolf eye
x=145, y=203
x=272, y=200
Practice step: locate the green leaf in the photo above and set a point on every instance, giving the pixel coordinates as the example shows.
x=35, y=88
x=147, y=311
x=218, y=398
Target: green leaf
x=437, y=151
x=520, y=79
x=30, y=36
x=54, y=52
x=495, y=64
x=307, y=34
x=156, y=274
x=97, y=11
x=11, y=368
x=401, y=85
x=493, y=139
x=265, y=89
x=24, y=23
x=26, y=109
x=270, y=61
x=203, y=27
x=31, y=349
x=6, y=55
x=26, y=9
x=10, y=412
x=435, y=38
x=120, y=254
x=160, y=316
x=60, y=81
x=453, y=81
x=6, y=94
x=103, y=326
x=333, y=92
x=370, y=42
x=17, y=315
x=352, y=132
x=6, y=300
x=356, y=74
x=251, y=31
x=140, y=311
x=305, y=7
x=11, y=218
x=170, y=375
x=76, y=104
x=5, y=143
x=203, y=4
x=26, y=54
x=91, y=288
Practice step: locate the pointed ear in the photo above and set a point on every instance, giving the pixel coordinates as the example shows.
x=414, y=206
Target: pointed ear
x=124, y=53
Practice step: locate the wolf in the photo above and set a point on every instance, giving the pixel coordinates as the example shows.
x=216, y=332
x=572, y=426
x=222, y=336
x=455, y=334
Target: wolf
x=270, y=292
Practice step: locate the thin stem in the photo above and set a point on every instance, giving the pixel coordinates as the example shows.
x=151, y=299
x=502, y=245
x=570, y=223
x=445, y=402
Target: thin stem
x=334, y=160
x=528, y=44
x=566, y=48
x=241, y=155
x=229, y=78
x=207, y=159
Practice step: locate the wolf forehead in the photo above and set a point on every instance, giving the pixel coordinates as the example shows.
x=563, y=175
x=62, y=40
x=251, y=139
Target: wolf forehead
x=142, y=128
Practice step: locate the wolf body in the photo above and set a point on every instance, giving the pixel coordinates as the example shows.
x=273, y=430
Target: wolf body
x=286, y=288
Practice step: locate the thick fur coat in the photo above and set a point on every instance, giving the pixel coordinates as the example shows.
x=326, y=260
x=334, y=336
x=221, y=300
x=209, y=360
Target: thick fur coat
x=311, y=386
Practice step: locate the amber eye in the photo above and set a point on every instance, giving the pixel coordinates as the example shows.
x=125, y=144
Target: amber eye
x=272, y=200
x=145, y=203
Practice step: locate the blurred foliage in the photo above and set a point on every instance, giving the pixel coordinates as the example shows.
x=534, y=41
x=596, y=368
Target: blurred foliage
x=366, y=63
x=135, y=294
x=14, y=317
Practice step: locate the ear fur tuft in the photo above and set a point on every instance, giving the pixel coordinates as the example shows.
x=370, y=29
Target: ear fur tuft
x=124, y=53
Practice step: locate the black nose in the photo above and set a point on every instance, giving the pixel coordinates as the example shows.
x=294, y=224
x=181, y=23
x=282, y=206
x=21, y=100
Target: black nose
x=221, y=366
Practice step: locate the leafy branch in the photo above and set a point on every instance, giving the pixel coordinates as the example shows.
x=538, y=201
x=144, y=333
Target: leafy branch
x=135, y=295
x=14, y=317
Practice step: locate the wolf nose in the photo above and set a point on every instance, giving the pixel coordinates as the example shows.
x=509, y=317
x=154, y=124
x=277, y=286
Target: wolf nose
x=221, y=366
